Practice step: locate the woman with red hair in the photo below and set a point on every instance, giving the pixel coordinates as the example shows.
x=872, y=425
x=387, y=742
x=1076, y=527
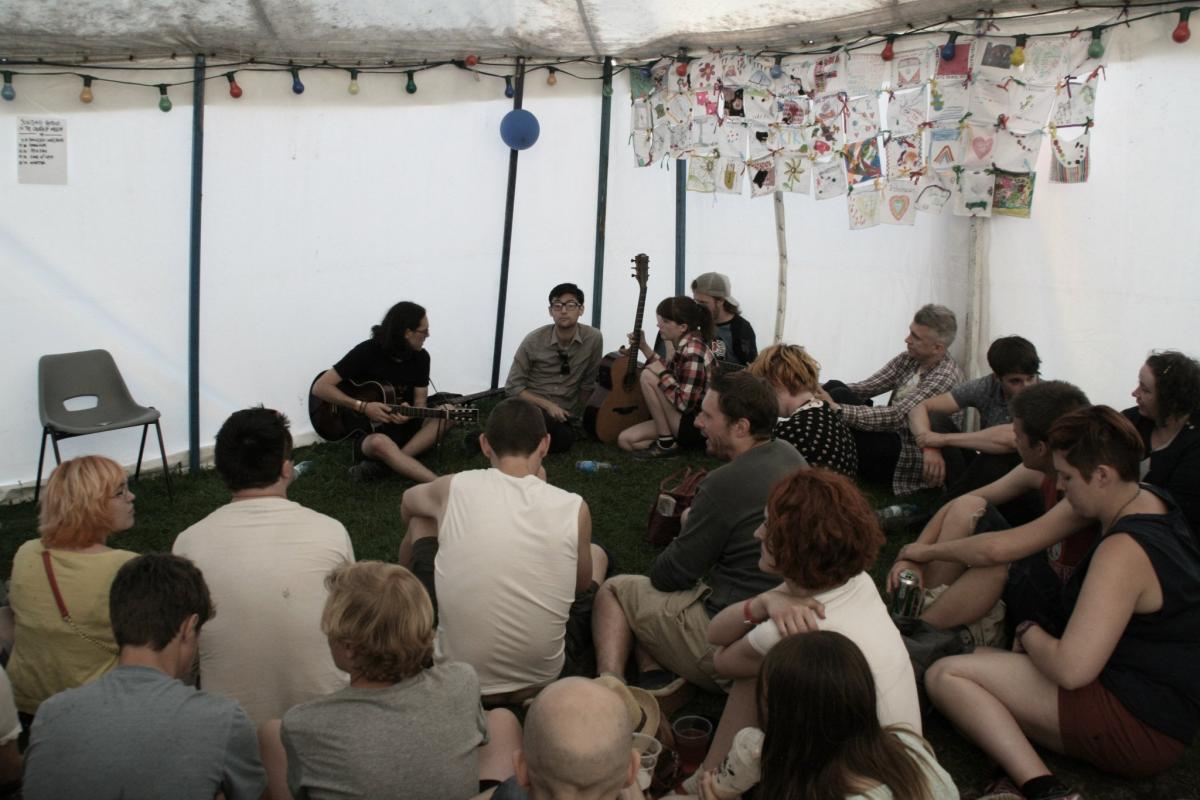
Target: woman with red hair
x=820, y=535
x=60, y=581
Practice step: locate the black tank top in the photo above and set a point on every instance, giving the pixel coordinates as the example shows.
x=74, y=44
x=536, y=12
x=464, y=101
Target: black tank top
x=1155, y=668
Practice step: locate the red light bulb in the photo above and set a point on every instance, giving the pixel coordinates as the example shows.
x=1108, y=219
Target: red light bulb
x=1182, y=32
x=681, y=69
x=888, y=53
x=471, y=60
x=235, y=91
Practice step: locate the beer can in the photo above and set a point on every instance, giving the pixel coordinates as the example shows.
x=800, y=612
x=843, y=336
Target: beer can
x=908, y=599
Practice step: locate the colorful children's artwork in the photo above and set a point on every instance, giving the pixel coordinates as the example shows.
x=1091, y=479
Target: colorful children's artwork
x=641, y=84
x=764, y=140
x=864, y=73
x=974, y=196
x=932, y=196
x=1029, y=106
x=829, y=180
x=911, y=68
x=989, y=99
x=797, y=75
x=641, y=118
x=906, y=111
x=757, y=73
x=702, y=174
x=678, y=107
x=862, y=161
x=1072, y=160
x=762, y=176
x=643, y=148
x=826, y=140
x=828, y=75
x=791, y=138
x=1076, y=102
x=681, y=139
x=905, y=154
x=1017, y=152
x=705, y=138
x=862, y=118
x=661, y=146
x=733, y=68
x=794, y=109
x=943, y=147
x=759, y=105
x=960, y=65
x=862, y=207
x=995, y=60
x=978, y=145
x=729, y=175
x=732, y=104
x=794, y=173
x=1045, y=59
x=705, y=103
x=732, y=137
x=1013, y=195
x=948, y=99
x=899, y=203
x=703, y=72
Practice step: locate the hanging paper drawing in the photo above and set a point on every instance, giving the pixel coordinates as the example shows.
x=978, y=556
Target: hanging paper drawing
x=905, y=154
x=978, y=145
x=960, y=65
x=1045, y=59
x=729, y=173
x=1076, y=102
x=862, y=118
x=906, y=111
x=974, y=197
x=864, y=73
x=947, y=102
x=1017, y=152
x=705, y=104
x=791, y=138
x=678, y=107
x=762, y=176
x=943, y=147
x=793, y=109
x=1013, y=194
x=862, y=161
x=764, y=140
x=640, y=84
x=759, y=105
x=911, y=68
x=988, y=100
x=643, y=147
x=828, y=75
x=829, y=180
x=702, y=174
x=826, y=140
x=899, y=203
x=862, y=207
x=793, y=173
x=1072, y=161
x=704, y=136
x=1029, y=106
x=797, y=75
x=997, y=58
x=731, y=138
x=681, y=140
x=702, y=72
x=758, y=72
x=661, y=146
x=733, y=105
x=640, y=116
x=932, y=196
x=732, y=68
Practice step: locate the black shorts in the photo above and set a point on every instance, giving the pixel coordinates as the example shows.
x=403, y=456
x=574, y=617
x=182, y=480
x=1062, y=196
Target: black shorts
x=400, y=434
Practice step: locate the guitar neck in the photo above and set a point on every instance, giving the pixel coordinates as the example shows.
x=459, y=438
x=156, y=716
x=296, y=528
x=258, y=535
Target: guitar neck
x=637, y=327
x=419, y=412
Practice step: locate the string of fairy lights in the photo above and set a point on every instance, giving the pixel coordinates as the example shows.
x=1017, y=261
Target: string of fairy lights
x=505, y=69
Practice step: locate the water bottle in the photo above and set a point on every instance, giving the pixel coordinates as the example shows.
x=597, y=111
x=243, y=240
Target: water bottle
x=592, y=467
x=303, y=468
x=897, y=511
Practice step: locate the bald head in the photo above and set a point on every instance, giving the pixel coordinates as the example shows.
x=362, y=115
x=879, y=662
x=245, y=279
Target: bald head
x=578, y=741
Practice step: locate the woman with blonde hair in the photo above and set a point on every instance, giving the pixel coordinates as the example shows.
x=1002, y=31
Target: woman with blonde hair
x=60, y=581
x=806, y=422
x=404, y=727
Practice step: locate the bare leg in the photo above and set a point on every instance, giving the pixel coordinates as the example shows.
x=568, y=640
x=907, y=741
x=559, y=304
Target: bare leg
x=959, y=522
x=638, y=437
x=380, y=448
x=504, y=739
x=998, y=699
x=418, y=528
x=599, y=564
x=740, y=712
x=274, y=760
x=431, y=431
x=611, y=632
x=666, y=417
x=969, y=598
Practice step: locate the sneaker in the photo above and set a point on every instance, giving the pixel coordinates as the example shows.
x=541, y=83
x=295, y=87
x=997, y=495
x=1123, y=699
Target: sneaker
x=656, y=450
x=365, y=471
x=1001, y=789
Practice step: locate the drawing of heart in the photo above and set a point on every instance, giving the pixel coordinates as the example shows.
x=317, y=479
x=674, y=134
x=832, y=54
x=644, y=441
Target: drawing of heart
x=898, y=205
x=982, y=145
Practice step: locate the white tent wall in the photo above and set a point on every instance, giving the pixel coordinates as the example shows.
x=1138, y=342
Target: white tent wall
x=321, y=210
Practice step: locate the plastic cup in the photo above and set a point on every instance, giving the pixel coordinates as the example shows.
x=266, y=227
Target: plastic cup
x=649, y=749
x=692, y=735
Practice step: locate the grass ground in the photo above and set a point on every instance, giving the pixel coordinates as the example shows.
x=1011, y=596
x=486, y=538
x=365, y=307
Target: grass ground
x=619, y=502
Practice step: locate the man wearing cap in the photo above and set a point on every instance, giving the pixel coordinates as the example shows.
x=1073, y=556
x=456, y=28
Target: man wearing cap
x=734, y=342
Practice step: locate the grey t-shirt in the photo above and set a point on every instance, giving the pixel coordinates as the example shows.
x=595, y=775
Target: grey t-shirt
x=986, y=395
x=138, y=733
x=416, y=739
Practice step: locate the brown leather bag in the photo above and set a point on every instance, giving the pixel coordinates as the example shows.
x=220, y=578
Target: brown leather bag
x=675, y=495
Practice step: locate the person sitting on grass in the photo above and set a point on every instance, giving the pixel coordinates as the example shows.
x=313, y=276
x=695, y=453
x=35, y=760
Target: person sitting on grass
x=673, y=389
x=823, y=734
x=806, y=421
x=1108, y=674
x=404, y=727
x=820, y=535
x=948, y=457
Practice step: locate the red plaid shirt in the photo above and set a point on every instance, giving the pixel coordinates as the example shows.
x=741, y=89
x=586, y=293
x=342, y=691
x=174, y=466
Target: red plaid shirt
x=686, y=376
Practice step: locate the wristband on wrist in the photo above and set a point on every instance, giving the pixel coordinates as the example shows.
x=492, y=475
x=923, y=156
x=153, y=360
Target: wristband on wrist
x=748, y=613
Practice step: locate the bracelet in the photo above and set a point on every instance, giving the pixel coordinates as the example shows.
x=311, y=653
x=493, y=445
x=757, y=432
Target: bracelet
x=362, y=406
x=747, y=614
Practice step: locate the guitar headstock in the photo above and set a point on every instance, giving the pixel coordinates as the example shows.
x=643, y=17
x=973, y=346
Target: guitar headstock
x=641, y=269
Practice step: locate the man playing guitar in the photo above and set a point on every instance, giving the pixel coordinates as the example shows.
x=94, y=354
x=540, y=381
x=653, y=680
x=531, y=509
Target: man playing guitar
x=393, y=355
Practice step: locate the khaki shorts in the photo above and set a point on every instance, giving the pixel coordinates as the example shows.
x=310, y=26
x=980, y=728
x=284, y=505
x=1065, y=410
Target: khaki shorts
x=985, y=632
x=672, y=627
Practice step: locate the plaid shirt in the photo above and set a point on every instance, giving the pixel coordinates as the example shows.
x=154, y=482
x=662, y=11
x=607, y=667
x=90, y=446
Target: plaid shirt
x=685, y=378
x=941, y=377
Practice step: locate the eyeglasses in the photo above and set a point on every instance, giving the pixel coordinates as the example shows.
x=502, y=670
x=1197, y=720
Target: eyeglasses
x=571, y=306
x=565, y=363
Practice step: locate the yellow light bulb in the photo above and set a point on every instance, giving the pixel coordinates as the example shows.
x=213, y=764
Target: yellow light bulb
x=86, y=95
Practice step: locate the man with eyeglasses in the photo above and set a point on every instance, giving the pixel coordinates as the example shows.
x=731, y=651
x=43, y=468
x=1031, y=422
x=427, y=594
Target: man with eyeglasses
x=555, y=366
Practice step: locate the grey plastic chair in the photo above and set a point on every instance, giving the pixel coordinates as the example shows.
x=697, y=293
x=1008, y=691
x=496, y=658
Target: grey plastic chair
x=64, y=376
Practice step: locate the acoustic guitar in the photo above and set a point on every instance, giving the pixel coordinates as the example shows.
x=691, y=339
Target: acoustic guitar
x=616, y=402
x=334, y=423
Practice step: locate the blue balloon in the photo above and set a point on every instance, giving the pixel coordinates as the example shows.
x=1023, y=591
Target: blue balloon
x=519, y=129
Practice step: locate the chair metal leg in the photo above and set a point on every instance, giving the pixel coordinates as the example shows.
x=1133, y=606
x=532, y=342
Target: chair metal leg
x=137, y=470
x=37, y=487
x=162, y=450
x=54, y=444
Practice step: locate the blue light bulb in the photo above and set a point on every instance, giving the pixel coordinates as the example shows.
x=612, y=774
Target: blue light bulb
x=297, y=86
x=8, y=93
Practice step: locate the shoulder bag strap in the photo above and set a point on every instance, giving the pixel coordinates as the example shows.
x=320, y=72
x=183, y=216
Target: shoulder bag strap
x=62, y=607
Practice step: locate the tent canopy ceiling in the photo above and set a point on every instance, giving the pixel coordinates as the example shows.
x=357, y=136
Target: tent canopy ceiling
x=373, y=30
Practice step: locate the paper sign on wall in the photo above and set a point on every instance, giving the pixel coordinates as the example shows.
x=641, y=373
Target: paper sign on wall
x=41, y=150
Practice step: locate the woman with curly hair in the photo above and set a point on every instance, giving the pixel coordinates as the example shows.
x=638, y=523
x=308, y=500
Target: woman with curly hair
x=1168, y=406
x=404, y=727
x=60, y=581
x=820, y=535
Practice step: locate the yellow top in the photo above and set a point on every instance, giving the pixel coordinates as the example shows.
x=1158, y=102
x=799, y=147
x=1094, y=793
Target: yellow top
x=48, y=654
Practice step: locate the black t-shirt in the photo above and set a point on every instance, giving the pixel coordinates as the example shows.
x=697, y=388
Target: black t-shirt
x=1175, y=468
x=368, y=362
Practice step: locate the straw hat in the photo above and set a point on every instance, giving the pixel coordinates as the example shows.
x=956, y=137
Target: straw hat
x=642, y=706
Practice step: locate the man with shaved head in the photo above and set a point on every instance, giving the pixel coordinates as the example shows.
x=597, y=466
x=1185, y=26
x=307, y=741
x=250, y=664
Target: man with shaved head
x=577, y=746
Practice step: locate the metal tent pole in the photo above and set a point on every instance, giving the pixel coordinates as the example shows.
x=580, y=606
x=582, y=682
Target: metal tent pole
x=602, y=191
x=506, y=248
x=194, y=266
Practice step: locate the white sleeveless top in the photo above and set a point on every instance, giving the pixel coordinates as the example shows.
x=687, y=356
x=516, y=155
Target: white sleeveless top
x=505, y=577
